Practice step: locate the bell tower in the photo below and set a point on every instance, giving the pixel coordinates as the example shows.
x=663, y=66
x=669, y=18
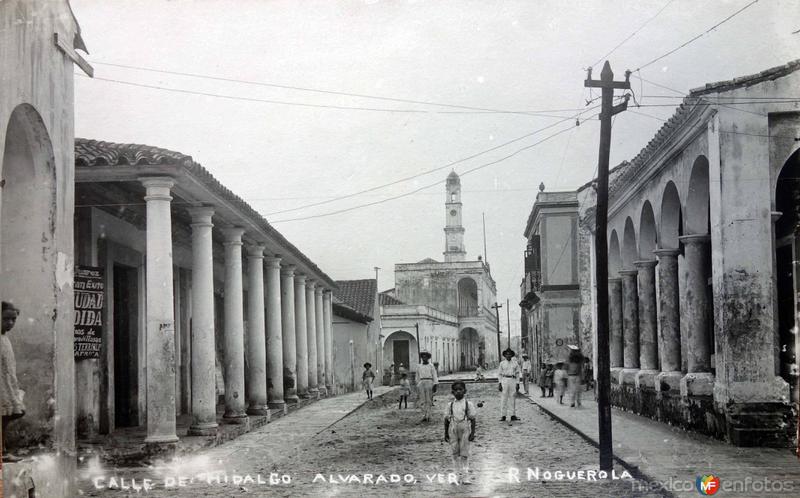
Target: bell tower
x=453, y=230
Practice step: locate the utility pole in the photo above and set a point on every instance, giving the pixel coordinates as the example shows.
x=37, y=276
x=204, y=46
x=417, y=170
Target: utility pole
x=485, y=256
x=608, y=85
x=496, y=308
x=508, y=321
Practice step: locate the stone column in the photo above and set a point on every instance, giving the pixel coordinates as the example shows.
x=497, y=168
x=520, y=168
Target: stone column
x=234, y=328
x=161, y=424
x=699, y=380
x=630, y=326
x=289, y=334
x=669, y=344
x=616, y=341
x=330, y=382
x=256, y=347
x=319, y=313
x=274, y=334
x=648, y=325
x=311, y=334
x=204, y=382
x=301, y=335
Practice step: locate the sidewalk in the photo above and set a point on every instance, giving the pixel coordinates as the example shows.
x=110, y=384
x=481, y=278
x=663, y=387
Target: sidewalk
x=469, y=376
x=668, y=454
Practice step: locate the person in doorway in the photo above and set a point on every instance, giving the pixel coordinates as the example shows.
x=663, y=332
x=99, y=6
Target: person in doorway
x=405, y=390
x=526, y=371
x=459, y=429
x=392, y=375
x=574, y=372
x=560, y=381
x=508, y=375
x=10, y=394
x=427, y=381
x=588, y=374
x=367, y=379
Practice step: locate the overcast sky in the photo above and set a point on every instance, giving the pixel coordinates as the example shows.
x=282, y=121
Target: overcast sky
x=498, y=55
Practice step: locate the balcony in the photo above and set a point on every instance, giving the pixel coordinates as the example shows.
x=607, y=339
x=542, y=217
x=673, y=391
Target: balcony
x=467, y=310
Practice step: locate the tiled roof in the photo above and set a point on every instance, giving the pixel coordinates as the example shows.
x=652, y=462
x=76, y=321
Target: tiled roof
x=341, y=308
x=427, y=260
x=387, y=300
x=749, y=80
x=96, y=153
x=358, y=294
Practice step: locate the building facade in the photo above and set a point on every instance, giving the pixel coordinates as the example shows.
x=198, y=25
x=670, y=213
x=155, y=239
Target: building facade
x=38, y=43
x=462, y=289
x=702, y=240
x=356, y=331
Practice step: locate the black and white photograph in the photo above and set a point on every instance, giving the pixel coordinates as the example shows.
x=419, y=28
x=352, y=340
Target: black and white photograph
x=399, y=248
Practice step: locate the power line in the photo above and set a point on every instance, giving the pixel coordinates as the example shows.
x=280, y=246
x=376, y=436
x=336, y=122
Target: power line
x=633, y=34
x=318, y=90
x=406, y=194
x=712, y=28
x=438, y=168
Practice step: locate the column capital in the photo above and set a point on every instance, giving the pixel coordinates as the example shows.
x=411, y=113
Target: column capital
x=695, y=239
x=667, y=253
x=201, y=215
x=288, y=270
x=233, y=235
x=647, y=263
x=157, y=187
x=310, y=283
x=327, y=293
x=629, y=272
x=301, y=278
x=614, y=280
x=272, y=261
x=318, y=290
x=255, y=251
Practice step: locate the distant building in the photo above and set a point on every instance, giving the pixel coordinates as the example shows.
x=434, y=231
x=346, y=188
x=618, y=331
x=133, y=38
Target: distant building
x=549, y=290
x=356, y=331
x=458, y=291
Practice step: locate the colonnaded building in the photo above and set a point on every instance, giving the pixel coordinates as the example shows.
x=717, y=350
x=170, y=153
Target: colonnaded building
x=450, y=301
x=703, y=243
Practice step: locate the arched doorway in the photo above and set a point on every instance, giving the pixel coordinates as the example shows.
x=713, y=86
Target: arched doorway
x=467, y=297
x=28, y=265
x=400, y=347
x=469, y=341
x=787, y=280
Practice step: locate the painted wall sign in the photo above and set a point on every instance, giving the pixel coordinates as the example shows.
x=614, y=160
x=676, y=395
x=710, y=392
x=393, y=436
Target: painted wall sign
x=89, y=303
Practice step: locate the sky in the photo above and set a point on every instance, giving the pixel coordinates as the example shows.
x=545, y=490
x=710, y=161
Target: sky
x=306, y=147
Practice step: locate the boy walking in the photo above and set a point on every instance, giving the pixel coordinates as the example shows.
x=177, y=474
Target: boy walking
x=459, y=429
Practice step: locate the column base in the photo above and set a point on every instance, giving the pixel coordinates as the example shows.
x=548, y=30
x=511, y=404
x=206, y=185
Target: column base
x=323, y=392
x=303, y=395
x=258, y=411
x=313, y=392
x=161, y=439
x=279, y=406
x=236, y=418
x=668, y=381
x=330, y=390
x=645, y=378
x=209, y=429
x=628, y=376
x=291, y=399
x=616, y=372
x=775, y=390
x=697, y=384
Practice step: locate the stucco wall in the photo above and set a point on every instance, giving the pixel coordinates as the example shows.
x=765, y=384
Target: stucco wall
x=348, y=359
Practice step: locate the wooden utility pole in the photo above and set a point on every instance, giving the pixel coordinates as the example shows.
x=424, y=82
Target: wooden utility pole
x=608, y=85
x=508, y=320
x=496, y=308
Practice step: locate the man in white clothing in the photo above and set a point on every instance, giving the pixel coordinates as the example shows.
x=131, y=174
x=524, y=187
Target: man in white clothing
x=508, y=374
x=427, y=380
x=526, y=371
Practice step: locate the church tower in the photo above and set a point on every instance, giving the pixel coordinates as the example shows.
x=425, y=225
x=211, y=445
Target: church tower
x=453, y=230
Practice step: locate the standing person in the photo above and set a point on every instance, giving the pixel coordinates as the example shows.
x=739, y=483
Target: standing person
x=508, y=375
x=543, y=378
x=10, y=394
x=574, y=372
x=367, y=378
x=588, y=374
x=460, y=412
x=551, y=370
x=479, y=373
x=405, y=390
x=526, y=371
x=560, y=381
x=427, y=381
x=392, y=375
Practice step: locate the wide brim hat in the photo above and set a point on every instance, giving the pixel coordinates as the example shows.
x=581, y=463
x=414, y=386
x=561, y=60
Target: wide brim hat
x=524, y=355
x=573, y=347
x=509, y=350
x=424, y=353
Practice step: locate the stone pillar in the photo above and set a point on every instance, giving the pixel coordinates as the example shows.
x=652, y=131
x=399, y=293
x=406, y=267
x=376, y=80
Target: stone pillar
x=204, y=385
x=630, y=326
x=311, y=335
x=234, y=328
x=669, y=344
x=301, y=334
x=289, y=334
x=319, y=313
x=616, y=341
x=274, y=334
x=327, y=304
x=256, y=346
x=698, y=380
x=161, y=424
x=648, y=325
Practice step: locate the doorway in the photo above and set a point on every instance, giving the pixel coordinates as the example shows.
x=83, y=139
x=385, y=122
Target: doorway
x=126, y=351
x=400, y=352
